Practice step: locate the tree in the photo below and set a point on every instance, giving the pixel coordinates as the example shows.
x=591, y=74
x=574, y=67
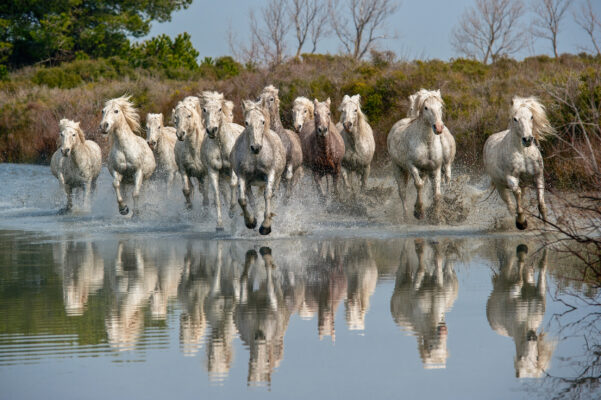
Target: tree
x=309, y=19
x=548, y=16
x=359, y=24
x=590, y=22
x=165, y=54
x=42, y=31
x=489, y=30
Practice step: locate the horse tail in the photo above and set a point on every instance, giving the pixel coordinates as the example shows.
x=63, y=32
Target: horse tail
x=492, y=190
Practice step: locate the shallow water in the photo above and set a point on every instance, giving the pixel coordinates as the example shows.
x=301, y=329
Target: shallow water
x=94, y=305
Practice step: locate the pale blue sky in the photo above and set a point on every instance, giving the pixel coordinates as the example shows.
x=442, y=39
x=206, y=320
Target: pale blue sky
x=422, y=28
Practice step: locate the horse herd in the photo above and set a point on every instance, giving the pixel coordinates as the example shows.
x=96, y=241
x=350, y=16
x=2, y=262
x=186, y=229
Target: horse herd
x=207, y=145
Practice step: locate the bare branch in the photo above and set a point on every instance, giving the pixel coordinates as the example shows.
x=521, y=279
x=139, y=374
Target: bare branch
x=590, y=22
x=489, y=30
x=309, y=19
x=547, y=18
x=359, y=24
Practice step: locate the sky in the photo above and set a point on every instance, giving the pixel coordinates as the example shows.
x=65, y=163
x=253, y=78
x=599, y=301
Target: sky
x=420, y=29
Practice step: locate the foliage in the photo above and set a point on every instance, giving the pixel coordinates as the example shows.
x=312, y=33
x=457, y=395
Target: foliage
x=33, y=31
x=164, y=54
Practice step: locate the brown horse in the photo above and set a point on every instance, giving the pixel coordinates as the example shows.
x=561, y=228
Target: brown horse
x=323, y=147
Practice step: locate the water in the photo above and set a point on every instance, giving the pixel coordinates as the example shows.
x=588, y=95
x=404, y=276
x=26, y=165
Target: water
x=93, y=305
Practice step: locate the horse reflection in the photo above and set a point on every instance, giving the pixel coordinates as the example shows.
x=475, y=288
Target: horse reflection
x=325, y=287
x=169, y=275
x=132, y=283
x=362, y=276
x=516, y=308
x=83, y=274
x=261, y=317
x=425, y=290
x=220, y=304
x=194, y=290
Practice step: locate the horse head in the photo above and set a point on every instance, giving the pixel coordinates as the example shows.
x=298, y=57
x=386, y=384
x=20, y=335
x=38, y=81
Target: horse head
x=350, y=110
x=117, y=113
x=154, y=124
x=186, y=116
x=212, y=112
x=70, y=134
x=302, y=110
x=256, y=121
x=322, y=117
x=429, y=106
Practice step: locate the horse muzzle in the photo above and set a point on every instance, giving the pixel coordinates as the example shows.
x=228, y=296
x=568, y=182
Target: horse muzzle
x=438, y=128
x=322, y=131
x=298, y=128
x=347, y=126
x=151, y=144
x=527, y=141
x=180, y=136
x=211, y=132
x=66, y=152
x=255, y=149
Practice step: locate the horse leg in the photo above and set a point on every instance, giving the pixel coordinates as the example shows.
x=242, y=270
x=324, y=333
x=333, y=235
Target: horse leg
x=540, y=194
x=249, y=219
x=317, y=179
x=345, y=179
x=187, y=189
x=335, y=177
x=123, y=209
x=520, y=222
x=138, y=179
x=418, y=210
x=86, y=193
x=69, y=192
x=295, y=178
x=447, y=173
x=214, y=178
x=364, y=176
x=436, y=179
x=265, y=228
x=233, y=184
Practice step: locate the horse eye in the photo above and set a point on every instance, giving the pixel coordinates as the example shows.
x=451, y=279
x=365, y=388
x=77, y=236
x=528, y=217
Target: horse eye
x=220, y=110
x=305, y=111
x=271, y=99
x=73, y=135
x=426, y=108
x=263, y=122
x=515, y=119
x=355, y=111
x=102, y=112
x=116, y=111
x=246, y=123
x=531, y=117
x=204, y=109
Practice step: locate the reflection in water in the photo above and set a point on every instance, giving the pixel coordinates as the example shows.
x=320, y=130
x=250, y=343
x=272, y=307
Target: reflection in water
x=516, y=308
x=132, y=282
x=425, y=290
x=83, y=273
x=225, y=293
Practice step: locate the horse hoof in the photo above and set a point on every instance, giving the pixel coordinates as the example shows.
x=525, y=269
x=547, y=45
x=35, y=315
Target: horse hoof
x=189, y=206
x=232, y=213
x=124, y=210
x=418, y=214
x=252, y=224
x=521, y=225
x=219, y=229
x=264, y=231
x=265, y=251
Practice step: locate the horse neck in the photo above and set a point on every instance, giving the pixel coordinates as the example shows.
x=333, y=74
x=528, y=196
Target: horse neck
x=276, y=122
x=123, y=134
x=197, y=136
x=513, y=142
x=425, y=130
x=78, y=153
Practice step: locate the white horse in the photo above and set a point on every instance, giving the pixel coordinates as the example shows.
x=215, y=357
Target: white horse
x=512, y=162
x=258, y=159
x=76, y=163
x=216, y=150
x=161, y=140
x=358, y=139
x=416, y=150
x=449, y=148
x=190, y=132
x=291, y=142
x=302, y=111
x=130, y=159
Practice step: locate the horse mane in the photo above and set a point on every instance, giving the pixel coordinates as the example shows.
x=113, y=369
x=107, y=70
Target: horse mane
x=208, y=95
x=421, y=96
x=67, y=123
x=228, y=110
x=129, y=111
x=541, y=127
x=356, y=100
x=411, y=113
x=305, y=102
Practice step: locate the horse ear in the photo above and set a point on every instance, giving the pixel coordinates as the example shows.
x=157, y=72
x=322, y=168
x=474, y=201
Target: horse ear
x=345, y=98
x=315, y=102
x=328, y=102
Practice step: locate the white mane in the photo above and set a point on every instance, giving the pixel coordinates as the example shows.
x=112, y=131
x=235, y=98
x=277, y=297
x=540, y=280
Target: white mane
x=420, y=98
x=304, y=102
x=541, y=127
x=129, y=111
